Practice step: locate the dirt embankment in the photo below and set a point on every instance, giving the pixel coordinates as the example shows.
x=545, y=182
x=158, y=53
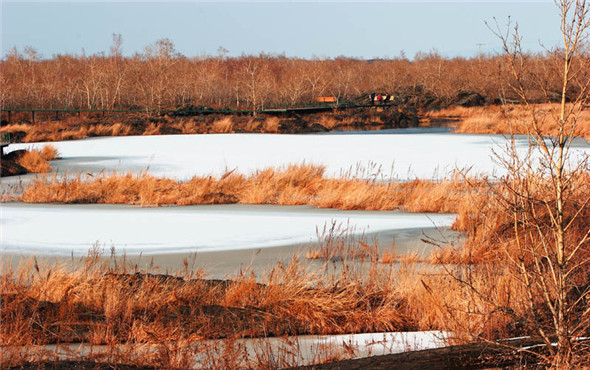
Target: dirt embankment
x=19, y=162
x=74, y=127
x=404, y=110
x=9, y=165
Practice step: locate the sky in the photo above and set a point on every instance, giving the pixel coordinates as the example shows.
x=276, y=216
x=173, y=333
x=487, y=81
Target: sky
x=329, y=29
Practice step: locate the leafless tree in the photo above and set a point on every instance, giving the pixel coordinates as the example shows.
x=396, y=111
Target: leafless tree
x=544, y=245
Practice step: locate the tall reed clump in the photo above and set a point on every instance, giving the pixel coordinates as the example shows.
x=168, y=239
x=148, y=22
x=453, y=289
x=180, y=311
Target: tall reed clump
x=37, y=161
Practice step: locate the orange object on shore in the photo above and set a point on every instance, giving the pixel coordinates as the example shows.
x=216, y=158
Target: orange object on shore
x=327, y=99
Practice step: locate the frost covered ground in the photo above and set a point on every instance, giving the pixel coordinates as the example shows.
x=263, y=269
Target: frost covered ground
x=405, y=155
x=65, y=229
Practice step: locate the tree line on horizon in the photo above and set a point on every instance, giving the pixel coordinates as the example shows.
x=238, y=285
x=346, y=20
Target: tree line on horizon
x=161, y=78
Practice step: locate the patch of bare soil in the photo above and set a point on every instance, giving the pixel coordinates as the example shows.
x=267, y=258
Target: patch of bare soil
x=9, y=164
x=467, y=356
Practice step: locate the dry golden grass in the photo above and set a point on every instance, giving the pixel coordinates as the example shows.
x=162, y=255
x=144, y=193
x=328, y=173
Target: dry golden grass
x=223, y=126
x=110, y=303
x=49, y=152
x=37, y=161
x=271, y=125
x=368, y=292
x=152, y=129
x=74, y=127
x=68, y=130
x=496, y=119
x=97, y=304
x=338, y=242
x=328, y=122
x=489, y=227
x=292, y=185
x=389, y=257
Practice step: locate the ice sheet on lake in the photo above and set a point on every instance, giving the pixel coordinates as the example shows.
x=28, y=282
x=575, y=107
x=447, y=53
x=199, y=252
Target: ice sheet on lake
x=63, y=229
x=405, y=156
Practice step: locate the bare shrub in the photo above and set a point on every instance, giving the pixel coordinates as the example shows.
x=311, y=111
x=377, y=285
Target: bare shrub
x=527, y=259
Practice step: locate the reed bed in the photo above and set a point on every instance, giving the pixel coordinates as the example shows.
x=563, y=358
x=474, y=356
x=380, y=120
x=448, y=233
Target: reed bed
x=498, y=119
x=148, y=319
x=100, y=304
x=290, y=185
x=473, y=290
x=184, y=320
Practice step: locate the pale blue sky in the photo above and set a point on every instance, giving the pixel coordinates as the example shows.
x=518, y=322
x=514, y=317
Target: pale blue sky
x=297, y=29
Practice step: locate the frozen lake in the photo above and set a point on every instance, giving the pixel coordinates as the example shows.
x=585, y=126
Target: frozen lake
x=62, y=230
x=402, y=155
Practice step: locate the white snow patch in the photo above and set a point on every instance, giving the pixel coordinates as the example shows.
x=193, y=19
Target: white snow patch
x=402, y=156
x=63, y=229
x=375, y=344
x=309, y=349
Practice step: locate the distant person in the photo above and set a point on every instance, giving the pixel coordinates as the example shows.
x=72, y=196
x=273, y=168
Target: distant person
x=372, y=98
x=379, y=98
x=387, y=98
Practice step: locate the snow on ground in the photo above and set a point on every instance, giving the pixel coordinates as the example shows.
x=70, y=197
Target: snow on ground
x=376, y=344
x=64, y=229
x=309, y=349
x=300, y=350
x=404, y=155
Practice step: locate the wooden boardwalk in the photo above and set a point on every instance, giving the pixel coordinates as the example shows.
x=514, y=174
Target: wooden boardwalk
x=7, y=113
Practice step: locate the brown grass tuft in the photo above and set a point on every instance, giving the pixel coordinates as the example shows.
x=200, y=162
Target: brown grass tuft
x=271, y=124
x=49, y=152
x=36, y=161
x=98, y=304
x=223, y=126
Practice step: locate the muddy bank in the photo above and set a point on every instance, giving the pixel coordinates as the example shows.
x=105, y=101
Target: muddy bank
x=467, y=356
x=370, y=118
x=9, y=165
